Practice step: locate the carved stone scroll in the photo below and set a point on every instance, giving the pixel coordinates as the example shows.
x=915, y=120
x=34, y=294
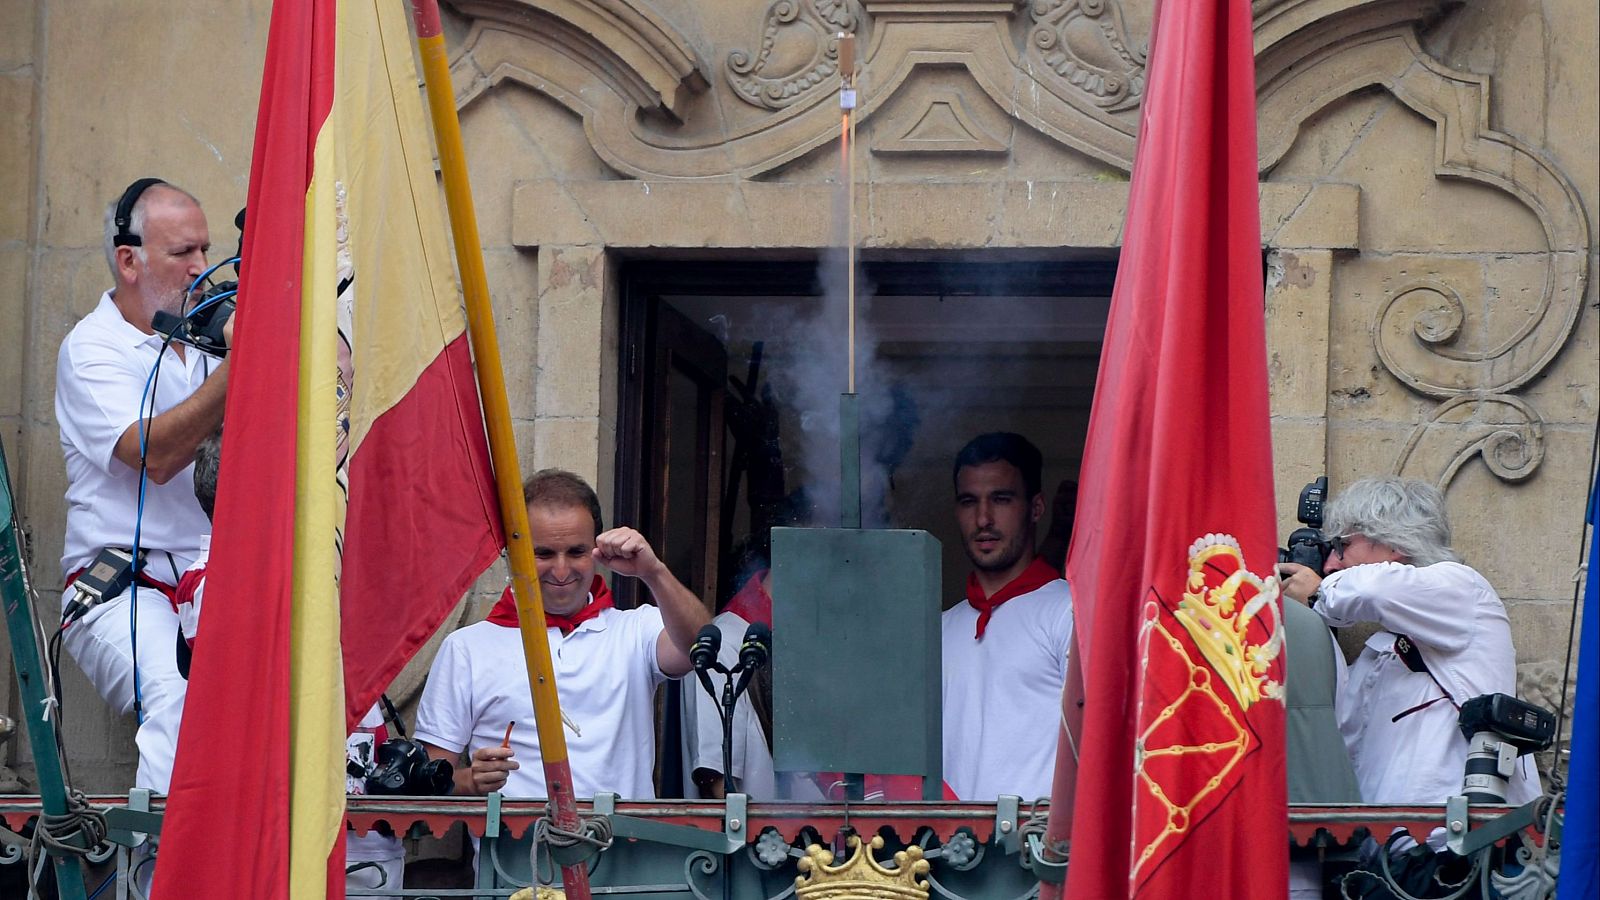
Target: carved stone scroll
x=1086, y=43
x=799, y=51
x=1504, y=431
x=1435, y=335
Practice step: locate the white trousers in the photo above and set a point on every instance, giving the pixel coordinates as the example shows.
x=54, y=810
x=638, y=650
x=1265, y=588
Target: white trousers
x=103, y=646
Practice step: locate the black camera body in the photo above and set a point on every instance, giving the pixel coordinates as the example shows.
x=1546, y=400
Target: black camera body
x=402, y=767
x=1499, y=728
x=1516, y=722
x=202, y=329
x=1307, y=546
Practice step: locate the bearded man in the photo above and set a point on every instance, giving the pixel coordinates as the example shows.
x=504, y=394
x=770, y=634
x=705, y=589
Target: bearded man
x=1005, y=643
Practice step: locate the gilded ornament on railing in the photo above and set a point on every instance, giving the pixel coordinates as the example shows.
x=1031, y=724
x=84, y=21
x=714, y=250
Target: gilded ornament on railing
x=541, y=892
x=1086, y=43
x=862, y=877
x=1220, y=602
x=799, y=50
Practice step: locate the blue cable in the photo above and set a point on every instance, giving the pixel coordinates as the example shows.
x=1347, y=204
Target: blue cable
x=110, y=879
x=147, y=396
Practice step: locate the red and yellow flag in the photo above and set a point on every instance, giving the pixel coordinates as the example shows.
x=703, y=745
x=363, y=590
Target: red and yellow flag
x=1180, y=786
x=355, y=503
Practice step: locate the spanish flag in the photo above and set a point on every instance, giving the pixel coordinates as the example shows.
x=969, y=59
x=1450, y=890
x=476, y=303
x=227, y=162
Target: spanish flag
x=355, y=502
x=1180, y=785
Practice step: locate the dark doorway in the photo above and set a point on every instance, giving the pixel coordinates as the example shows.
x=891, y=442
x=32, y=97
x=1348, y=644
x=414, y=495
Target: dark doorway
x=731, y=373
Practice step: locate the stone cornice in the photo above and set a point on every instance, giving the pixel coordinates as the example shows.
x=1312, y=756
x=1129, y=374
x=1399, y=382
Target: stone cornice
x=628, y=44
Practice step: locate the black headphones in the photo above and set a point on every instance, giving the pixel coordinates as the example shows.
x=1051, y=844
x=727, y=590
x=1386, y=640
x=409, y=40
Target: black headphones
x=124, y=214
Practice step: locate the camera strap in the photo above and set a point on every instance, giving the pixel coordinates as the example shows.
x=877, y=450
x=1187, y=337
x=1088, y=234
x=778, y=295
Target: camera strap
x=1406, y=649
x=1411, y=655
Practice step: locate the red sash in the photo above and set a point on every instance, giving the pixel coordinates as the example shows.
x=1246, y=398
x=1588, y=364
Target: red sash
x=505, y=609
x=1038, y=574
x=144, y=580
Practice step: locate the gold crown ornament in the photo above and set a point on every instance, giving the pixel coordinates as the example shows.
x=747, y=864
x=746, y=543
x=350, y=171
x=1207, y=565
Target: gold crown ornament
x=1221, y=602
x=862, y=877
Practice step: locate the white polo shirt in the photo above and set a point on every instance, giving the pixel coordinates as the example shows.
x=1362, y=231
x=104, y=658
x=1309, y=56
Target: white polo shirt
x=606, y=675
x=1399, y=725
x=101, y=375
x=1002, y=694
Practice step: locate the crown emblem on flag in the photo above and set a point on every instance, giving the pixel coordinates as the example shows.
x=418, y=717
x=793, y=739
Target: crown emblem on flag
x=1232, y=615
x=861, y=875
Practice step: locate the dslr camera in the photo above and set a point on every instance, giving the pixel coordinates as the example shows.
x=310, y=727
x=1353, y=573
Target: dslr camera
x=1306, y=545
x=402, y=767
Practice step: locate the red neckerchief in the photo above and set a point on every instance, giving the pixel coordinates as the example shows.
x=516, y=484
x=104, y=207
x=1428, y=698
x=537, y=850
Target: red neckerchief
x=1035, y=576
x=753, y=603
x=505, y=610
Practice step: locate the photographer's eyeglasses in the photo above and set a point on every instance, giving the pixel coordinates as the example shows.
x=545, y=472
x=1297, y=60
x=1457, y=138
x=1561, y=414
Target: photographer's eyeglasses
x=1338, y=542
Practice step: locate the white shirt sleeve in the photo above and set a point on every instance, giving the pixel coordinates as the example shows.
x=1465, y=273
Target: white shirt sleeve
x=446, y=714
x=98, y=389
x=648, y=626
x=1061, y=639
x=1433, y=605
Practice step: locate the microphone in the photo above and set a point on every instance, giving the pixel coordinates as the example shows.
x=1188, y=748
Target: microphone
x=703, y=655
x=754, y=653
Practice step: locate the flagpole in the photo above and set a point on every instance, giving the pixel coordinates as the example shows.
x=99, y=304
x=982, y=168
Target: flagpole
x=497, y=417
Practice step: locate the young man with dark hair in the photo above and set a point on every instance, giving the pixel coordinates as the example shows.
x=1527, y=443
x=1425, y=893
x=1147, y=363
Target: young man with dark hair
x=1005, y=644
x=608, y=661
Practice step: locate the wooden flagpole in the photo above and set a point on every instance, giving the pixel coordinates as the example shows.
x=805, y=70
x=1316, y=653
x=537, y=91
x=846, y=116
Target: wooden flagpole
x=497, y=417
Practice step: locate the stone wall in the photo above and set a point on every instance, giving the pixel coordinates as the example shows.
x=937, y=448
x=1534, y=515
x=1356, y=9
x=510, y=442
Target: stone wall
x=1429, y=182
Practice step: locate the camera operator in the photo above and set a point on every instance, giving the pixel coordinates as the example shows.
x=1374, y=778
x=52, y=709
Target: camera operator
x=1445, y=640
x=156, y=241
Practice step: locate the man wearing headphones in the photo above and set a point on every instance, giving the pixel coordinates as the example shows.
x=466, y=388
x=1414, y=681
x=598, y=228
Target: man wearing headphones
x=132, y=412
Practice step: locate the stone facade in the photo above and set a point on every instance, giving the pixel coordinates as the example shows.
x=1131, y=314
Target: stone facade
x=1429, y=178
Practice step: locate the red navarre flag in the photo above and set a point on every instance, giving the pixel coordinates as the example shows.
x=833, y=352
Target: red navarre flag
x=355, y=501
x=1180, y=780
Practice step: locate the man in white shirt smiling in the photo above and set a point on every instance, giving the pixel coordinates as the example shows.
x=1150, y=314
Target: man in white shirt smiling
x=608, y=662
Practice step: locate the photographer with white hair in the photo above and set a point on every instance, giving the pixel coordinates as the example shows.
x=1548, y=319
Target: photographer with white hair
x=1445, y=640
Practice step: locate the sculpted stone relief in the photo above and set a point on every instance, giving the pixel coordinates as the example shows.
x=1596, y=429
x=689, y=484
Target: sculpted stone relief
x=799, y=50
x=1075, y=76
x=1085, y=42
x=959, y=75
x=1433, y=334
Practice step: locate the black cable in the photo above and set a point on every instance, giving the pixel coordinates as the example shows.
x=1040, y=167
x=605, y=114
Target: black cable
x=1589, y=515
x=392, y=715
